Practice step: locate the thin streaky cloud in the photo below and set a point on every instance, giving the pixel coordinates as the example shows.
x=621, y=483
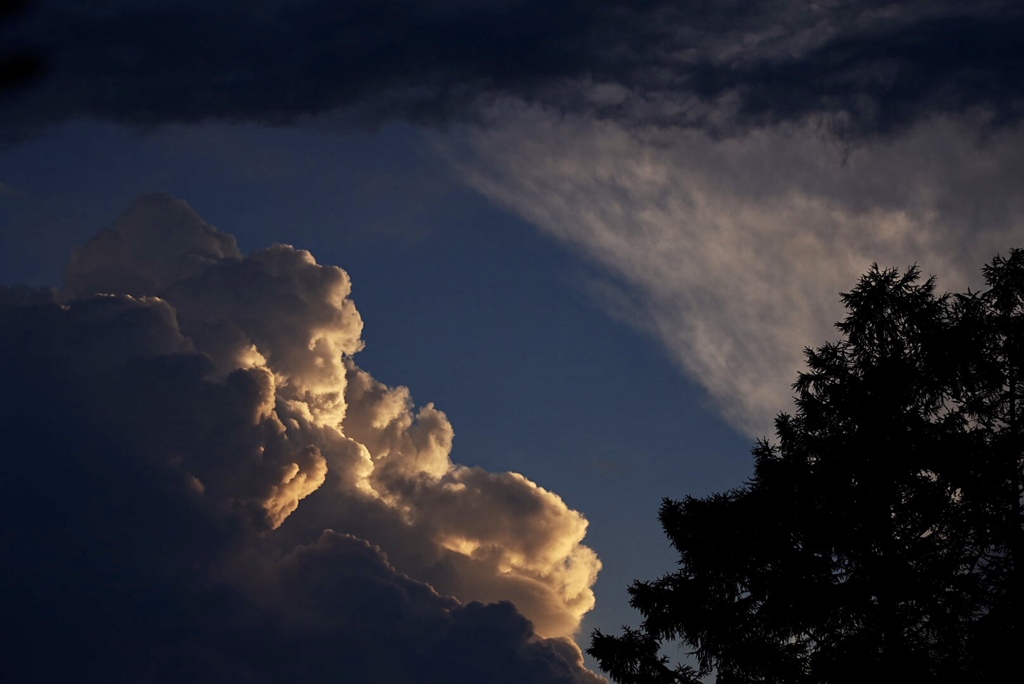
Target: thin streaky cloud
x=733, y=253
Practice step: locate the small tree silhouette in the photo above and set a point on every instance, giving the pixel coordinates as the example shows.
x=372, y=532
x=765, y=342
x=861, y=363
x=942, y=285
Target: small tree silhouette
x=882, y=532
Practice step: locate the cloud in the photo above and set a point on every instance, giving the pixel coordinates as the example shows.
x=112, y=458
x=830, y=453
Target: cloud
x=733, y=252
x=861, y=68
x=211, y=489
x=18, y=67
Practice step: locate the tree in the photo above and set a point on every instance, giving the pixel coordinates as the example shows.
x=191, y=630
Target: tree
x=882, y=532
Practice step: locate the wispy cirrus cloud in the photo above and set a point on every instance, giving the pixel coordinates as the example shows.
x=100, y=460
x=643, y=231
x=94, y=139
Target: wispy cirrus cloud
x=733, y=252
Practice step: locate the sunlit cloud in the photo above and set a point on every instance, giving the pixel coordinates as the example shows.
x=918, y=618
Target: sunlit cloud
x=212, y=398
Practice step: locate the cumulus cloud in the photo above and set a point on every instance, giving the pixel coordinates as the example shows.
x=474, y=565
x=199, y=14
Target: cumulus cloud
x=467, y=532
x=211, y=489
x=863, y=68
x=733, y=252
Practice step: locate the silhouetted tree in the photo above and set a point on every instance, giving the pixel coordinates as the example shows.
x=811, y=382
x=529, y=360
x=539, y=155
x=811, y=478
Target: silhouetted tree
x=881, y=534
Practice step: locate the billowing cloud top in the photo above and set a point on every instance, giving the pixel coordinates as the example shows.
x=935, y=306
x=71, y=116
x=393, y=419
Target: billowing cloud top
x=210, y=489
x=862, y=67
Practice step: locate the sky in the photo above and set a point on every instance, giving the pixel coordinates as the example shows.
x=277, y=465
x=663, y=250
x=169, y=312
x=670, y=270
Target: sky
x=361, y=341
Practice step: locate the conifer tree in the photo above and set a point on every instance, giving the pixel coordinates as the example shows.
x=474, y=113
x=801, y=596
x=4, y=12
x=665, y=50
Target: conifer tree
x=881, y=532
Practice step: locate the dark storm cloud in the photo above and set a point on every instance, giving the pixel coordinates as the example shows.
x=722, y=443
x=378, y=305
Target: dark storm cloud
x=863, y=66
x=271, y=62
x=884, y=79
x=155, y=447
x=18, y=67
